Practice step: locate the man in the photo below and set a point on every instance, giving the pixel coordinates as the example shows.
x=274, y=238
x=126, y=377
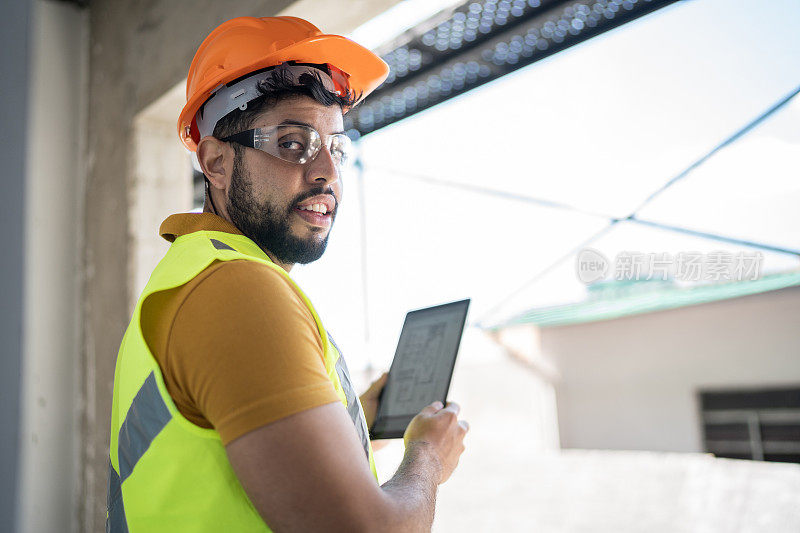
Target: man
x=233, y=407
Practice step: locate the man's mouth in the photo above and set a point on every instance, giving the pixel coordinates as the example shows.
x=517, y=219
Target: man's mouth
x=318, y=210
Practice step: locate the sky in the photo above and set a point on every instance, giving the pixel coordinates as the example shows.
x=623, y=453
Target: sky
x=599, y=126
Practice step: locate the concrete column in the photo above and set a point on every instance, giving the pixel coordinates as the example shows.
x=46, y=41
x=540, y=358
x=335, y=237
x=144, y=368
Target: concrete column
x=54, y=195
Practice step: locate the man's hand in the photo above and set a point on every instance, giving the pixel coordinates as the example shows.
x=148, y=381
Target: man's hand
x=439, y=427
x=369, y=400
x=434, y=441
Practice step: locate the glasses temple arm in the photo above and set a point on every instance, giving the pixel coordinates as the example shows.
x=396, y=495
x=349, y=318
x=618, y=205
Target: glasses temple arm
x=245, y=138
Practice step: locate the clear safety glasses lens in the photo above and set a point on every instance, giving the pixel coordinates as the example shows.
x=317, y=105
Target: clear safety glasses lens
x=301, y=144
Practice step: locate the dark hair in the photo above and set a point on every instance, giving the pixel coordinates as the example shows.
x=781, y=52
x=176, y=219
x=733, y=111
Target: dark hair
x=276, y=88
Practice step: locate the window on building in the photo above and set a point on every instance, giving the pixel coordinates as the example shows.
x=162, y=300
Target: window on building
x=758, y=424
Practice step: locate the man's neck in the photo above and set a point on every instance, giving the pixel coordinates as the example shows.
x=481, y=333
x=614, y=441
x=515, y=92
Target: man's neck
x=286, y=266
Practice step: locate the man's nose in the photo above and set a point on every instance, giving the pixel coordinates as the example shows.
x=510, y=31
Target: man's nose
x=322, y=169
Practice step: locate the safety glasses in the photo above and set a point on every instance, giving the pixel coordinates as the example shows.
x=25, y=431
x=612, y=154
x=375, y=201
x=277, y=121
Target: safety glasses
x=295, y=143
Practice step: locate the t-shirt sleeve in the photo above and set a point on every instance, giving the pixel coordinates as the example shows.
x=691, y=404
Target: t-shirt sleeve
x=245, y=349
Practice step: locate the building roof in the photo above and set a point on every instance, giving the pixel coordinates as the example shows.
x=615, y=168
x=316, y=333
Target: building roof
x=619, y=299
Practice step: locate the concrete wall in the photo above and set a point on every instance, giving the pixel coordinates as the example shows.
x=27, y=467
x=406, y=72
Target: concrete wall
x=631, y=383
x=138, y=52
x=161, y=185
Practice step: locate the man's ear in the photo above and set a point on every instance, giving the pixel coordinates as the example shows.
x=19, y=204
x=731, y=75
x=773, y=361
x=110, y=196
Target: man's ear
x=216, y=161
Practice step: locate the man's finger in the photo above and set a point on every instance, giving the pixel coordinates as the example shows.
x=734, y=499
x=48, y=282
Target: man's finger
x=432, y=408
x=452, y=406
x=464, y=424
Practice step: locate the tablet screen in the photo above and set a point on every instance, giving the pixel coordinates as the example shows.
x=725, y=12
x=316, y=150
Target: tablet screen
x=422, y=366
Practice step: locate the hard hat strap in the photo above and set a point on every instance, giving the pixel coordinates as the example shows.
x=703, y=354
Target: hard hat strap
x=228, y=98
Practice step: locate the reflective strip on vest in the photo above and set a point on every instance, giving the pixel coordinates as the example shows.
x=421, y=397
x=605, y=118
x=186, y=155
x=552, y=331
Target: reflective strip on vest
x=146, y=418
x=115, y=520
x=219, y=245
x=353, y=405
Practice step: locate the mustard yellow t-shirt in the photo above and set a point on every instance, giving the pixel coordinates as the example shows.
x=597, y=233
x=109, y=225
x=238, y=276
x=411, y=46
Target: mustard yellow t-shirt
x=237, y=346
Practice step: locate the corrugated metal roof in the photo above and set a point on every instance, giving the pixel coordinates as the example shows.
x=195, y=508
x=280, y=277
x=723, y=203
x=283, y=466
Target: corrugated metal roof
x=642, y=297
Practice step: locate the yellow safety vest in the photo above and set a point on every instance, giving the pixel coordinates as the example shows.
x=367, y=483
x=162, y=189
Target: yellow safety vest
x=167, y=474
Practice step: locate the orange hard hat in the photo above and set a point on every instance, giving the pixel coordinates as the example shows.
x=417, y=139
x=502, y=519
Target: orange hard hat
x=248, y=44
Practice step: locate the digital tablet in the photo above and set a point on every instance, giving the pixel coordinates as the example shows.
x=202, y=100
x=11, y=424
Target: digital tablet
x=422, y=366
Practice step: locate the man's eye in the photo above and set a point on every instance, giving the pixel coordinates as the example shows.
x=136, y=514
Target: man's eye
x=291, y=145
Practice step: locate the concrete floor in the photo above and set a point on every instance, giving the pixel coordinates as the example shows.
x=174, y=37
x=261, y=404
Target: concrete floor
x=615, y=491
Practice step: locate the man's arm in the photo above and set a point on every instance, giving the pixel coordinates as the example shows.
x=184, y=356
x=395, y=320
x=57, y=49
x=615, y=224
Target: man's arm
x=308, y=472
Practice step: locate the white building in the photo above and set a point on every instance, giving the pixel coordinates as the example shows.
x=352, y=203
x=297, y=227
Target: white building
x=644, y=368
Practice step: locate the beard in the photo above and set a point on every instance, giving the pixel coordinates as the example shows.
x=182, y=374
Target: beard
x=269, y=225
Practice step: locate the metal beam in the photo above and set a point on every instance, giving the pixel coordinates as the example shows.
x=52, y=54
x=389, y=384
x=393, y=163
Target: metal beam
x=543, y=202
x=480, y=41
